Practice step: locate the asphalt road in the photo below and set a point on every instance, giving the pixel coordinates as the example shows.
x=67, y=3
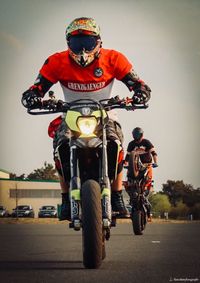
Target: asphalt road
x=42, y=253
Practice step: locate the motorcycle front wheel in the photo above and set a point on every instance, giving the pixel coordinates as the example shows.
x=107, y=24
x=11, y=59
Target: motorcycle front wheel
x=93, y=246
x=133, y=168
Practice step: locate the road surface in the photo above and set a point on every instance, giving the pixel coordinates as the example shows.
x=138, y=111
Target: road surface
x=45, y=253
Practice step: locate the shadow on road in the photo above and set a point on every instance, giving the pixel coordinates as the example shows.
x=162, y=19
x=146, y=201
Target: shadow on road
x=40, y=265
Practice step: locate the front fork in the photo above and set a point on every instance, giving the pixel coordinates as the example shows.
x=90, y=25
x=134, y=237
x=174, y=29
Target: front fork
x=105, y=190
x=75, y=189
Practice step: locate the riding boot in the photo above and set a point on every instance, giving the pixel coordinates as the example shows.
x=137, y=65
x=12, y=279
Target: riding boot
x=118, y=205
x=65, y=213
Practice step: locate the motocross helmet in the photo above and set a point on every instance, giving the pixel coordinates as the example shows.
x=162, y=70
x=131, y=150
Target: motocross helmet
x=137, y=133
x=83, y=40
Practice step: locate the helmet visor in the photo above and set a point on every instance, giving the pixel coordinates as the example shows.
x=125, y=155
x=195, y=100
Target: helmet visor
x=79, y=43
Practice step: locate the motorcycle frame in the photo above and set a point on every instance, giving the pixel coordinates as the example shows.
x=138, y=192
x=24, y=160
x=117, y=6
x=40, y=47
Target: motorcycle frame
x=53, y=106
x=75, y=181
x=137, y=188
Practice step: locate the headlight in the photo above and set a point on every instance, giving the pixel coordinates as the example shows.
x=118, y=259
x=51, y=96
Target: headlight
x=87, y=125
x=27, y=211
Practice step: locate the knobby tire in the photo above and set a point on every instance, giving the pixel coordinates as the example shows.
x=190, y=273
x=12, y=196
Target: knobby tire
x=93, y=245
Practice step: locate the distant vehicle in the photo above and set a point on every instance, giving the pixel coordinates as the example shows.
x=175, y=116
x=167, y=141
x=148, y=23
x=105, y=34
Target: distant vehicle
x=3, y=211
x=47, y=211
x=23, y=211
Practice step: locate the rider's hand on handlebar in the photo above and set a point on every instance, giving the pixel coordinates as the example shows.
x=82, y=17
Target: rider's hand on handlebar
x=115, y=99
x=141, y=95
x=30, y=100
x=154, y=165
x=59, y=104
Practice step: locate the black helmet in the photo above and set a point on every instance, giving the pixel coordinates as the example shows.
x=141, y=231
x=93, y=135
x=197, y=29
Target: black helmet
x=137, y=133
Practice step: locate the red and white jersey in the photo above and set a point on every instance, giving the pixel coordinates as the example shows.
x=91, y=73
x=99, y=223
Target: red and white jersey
x=93, y=81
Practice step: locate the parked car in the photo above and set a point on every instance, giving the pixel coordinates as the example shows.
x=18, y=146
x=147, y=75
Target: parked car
x=47, y=211
x=3, y=211
x=23, y=211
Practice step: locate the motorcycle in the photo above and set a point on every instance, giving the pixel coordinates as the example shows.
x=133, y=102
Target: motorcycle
x=137, y=179
x=92, y=167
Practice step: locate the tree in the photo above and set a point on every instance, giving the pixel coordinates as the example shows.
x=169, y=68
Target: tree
x=191, y=198
x=14, y=176
x=48, y=172
x=195, y=211
x=178, y=191
x=160, y=203
x=180, y=211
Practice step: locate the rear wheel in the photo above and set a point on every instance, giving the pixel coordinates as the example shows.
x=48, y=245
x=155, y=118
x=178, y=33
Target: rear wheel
x=139, y=221
x=93, y=244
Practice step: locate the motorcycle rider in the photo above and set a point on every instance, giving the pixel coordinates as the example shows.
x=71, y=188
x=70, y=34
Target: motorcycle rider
x=86, y=70
x=147, y=155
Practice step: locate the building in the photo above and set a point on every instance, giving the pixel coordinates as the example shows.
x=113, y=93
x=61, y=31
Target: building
x=23, y=192
x=4, y=174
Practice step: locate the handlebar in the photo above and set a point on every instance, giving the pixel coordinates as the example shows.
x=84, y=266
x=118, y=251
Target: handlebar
x=143, y=166
x=52, y=105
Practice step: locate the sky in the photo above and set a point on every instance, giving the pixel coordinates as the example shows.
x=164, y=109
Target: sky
x=160, y=38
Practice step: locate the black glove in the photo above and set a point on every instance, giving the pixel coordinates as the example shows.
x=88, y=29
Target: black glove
x=31, y=100
x=141, y=95
x=154, y=165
